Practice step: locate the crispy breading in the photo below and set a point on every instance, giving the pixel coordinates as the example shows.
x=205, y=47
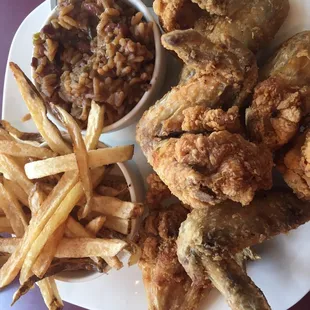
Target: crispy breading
x=201, y=119
x=275, y=113
x=295, y=166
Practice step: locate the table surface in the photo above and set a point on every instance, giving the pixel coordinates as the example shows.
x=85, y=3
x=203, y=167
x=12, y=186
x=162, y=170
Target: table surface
x=12, y=12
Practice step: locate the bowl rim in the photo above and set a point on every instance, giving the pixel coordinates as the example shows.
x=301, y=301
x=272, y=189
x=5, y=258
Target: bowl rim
x=87, y=276
x=155, y=82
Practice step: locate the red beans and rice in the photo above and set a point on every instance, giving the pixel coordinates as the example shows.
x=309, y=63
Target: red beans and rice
x=94, y=50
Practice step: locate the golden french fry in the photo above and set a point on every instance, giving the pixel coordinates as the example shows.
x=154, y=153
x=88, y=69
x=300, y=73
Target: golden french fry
x=74, y=247
x=17, y=191
x=10, y=168
x=77, y=230
x=115, y=207
x=98, y=158
x=120, y=225
x=45, y=258
x=24, y=150
x=95, y=225
x=37, y=109
x=13, y=134
x=95, y=126
x=81, y=156
x=59, y=216
x=135, y=254
x=5, y=225
x=50, y=294
x=12, y=267
x=114, y=262
x=13, y=211
x=88, y=247
x=36, y=199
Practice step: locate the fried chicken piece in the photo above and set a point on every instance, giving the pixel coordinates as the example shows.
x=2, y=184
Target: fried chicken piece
x=282, y=99
x=209, y=237
x=221, y=81
x=167, y=285
x=229, y=167
x=227, y=58
x=216, y=85
x=253, y=23
x=295, y=167
x=275, y=114
x=201, y=119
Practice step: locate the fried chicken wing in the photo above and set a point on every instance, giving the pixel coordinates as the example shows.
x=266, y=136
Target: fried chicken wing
x=167, y=284
x=282, y=99
x=253, y=23
x=210, y=237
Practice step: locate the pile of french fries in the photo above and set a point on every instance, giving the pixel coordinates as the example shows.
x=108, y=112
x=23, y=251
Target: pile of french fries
x=59, y=200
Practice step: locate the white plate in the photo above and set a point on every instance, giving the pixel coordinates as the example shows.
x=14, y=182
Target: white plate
x=284, y=272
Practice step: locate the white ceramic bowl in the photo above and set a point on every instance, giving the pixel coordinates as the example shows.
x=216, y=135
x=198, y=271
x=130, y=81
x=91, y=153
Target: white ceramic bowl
x=136, y=191
x=149, y=96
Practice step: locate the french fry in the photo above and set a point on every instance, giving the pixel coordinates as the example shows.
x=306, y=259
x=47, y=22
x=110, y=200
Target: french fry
x=81, y=156
x=95, y=225
x=10, y=168
x=59, y=216
x=50, y=294
x=13, y=211
x=5, y=225
x=135, y=254
x=77, y=230
x=17, y=191
x=12, y=267
x=36, y=199
x=115, y=207
x=74, y=247
x=120, y=225
x=97, y=158
x=37, y=109
x=86, y=247
x=24, y=150
x=14, y=134
x=95, y=126
x=46, y=256
x=114, y=262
